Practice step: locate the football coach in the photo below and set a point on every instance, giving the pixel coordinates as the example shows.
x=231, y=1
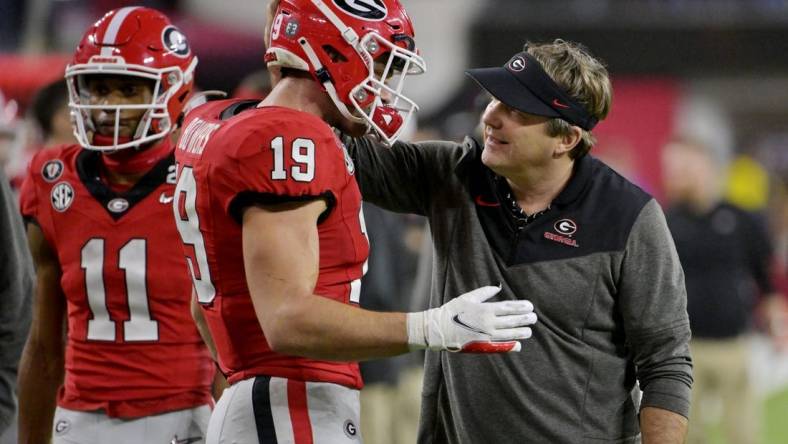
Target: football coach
x=531, y=209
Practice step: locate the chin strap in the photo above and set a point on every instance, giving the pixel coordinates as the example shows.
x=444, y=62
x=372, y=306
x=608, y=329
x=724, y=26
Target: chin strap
x=325, y=79
x=102, y=140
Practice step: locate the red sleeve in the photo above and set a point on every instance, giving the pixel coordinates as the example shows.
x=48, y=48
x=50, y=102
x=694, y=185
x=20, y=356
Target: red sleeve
x=28, y=199
x=278, y=164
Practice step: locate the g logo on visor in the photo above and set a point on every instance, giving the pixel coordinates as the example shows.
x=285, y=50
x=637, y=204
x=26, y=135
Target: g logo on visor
x=175, y=41
x=518, y=64
x=364, y=9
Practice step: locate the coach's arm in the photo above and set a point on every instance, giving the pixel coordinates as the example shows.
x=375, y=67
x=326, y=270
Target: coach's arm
x=653, y=303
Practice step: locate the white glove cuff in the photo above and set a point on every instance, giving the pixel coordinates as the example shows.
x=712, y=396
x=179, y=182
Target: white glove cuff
x=417, y=336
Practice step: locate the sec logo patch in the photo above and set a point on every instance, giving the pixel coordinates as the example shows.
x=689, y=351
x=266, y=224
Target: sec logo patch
x=62, y=196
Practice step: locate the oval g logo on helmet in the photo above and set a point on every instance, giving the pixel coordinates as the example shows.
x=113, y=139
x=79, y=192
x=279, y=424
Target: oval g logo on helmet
x=174, y=40
x=518, y=64
x=364, y=9
x=566, y=227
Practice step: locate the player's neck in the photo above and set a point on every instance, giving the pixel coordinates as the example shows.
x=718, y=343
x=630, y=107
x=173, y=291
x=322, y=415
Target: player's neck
x=302, y=94
x=126, y=167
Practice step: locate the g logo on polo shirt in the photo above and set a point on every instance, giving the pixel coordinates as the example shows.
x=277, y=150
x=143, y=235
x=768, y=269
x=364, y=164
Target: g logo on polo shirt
x=567, y=227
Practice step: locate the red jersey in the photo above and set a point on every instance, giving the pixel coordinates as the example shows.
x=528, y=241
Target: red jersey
x=230, y=155
x=132, y=348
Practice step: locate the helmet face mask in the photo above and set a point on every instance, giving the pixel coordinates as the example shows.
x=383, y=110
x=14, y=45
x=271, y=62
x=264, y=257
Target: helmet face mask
x=341, y=49
x=133, y=42
x=383, y=87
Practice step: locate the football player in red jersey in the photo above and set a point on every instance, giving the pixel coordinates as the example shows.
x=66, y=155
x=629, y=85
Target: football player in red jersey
x=270, y=217
x=132, y=367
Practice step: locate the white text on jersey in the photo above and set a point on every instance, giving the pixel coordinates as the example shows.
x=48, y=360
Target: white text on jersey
x=196, y=135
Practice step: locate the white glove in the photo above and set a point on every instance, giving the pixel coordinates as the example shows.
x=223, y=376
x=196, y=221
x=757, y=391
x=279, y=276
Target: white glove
x=470, y=325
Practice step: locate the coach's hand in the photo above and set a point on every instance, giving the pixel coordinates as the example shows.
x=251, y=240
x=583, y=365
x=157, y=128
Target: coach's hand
x=470, y=325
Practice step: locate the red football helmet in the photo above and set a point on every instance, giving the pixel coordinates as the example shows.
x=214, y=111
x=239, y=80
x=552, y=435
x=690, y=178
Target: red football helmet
x=132, y=41
x=340, y=42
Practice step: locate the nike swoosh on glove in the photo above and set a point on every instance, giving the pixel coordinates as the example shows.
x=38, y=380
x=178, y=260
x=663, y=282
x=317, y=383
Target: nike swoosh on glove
x=468, y=324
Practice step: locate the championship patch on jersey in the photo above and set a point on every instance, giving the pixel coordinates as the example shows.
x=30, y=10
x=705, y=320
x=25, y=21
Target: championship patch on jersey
x=62, y=196
x=118, y=205
x=374, y=10
x=174, y=40
x=52, y=170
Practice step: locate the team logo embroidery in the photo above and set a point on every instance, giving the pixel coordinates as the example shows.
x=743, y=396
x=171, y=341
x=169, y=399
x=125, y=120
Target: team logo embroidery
x=118, y=205
x=517, y=64
x=52, y=170
x=62, y=427
x=62, y=195
x=364, y=9
x=350, y=429
x=565, y=228
x=174, y=40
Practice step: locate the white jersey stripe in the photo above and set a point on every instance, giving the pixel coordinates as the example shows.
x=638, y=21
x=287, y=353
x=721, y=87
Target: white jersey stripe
x=280, y=410
x=112, y=30
x=355, y=291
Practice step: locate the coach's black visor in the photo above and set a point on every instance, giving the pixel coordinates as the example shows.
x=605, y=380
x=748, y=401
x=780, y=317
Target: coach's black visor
x=524, y=85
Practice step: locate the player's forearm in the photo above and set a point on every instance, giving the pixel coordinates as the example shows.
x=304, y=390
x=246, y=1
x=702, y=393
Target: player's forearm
x=40, y=375
x=320, y=328
x=660, y=426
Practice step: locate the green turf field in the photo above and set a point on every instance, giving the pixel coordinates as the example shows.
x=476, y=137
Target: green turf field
x=775, y=422
x=775, y=428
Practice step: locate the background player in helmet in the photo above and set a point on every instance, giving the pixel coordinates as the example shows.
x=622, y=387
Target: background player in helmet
x=270, y=218
x=101, y=232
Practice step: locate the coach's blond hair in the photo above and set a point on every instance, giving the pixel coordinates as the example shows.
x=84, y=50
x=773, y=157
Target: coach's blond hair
x=583, y=77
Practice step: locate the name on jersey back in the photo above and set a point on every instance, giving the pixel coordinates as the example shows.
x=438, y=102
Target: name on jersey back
x=196, y=135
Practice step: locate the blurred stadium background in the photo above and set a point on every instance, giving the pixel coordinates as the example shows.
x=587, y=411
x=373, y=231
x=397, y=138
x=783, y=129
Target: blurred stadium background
x=714, y=70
